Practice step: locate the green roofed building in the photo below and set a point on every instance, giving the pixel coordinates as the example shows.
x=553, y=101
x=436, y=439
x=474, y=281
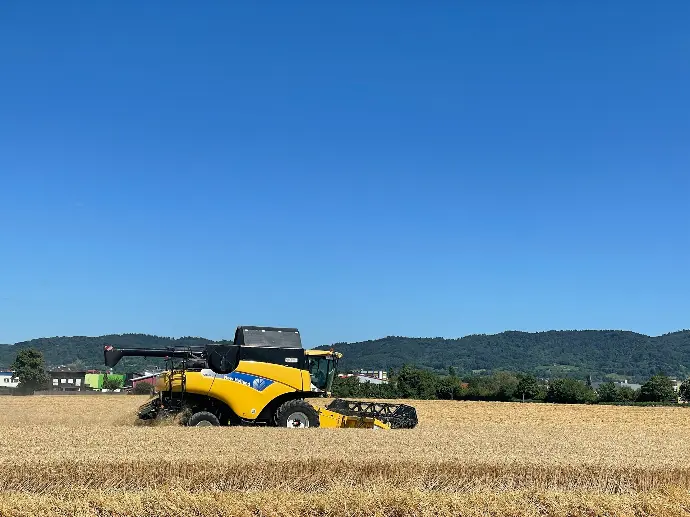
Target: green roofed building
x=95, y=380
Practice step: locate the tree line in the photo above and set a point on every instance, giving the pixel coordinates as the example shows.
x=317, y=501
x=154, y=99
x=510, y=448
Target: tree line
x=29, y=368
x=418, y=383
x=550, y=354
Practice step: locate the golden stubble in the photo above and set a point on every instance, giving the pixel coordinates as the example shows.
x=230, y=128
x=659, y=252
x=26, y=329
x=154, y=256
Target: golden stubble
x=87, y=455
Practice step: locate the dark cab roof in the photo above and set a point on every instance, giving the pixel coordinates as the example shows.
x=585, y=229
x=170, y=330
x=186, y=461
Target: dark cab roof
x=273, y=337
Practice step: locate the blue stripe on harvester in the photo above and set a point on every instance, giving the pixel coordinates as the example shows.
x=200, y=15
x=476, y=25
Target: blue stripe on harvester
x=253, y=381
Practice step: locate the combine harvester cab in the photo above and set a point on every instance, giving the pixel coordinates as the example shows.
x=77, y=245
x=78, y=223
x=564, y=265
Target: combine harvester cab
x=262, y=378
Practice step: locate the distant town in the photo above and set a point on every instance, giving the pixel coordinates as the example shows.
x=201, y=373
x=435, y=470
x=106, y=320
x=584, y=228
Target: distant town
x=64, y=379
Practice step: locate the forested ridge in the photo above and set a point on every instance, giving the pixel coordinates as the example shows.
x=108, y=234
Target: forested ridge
x=547, y=354
x=84, y=352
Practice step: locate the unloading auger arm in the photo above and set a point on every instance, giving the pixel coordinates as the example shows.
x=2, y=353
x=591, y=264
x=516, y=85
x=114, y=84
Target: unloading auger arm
x=113, y=355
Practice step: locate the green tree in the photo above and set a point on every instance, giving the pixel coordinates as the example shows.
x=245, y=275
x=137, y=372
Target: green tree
x=541, y=394
x=346, y=387
x=452, y=372
x=497, y=386
x=350, y=387
x=627, y=394
x=507, y=383
x=447, y=387
x=143, y=388
x=482, y=387
x=607, y=392
x=30, y=369
x=658, y=388
x=684, y=390
x=111, y=383
x=415, y=383
x=527, y=387
x=460, y=391
x=570, y=391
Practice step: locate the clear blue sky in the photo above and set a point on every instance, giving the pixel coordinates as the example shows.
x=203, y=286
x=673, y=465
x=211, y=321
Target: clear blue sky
x=354, y=169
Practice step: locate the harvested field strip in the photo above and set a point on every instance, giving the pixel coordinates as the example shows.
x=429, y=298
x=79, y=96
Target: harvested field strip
x=317, y=475
x=84, y=456
x=641, y=445
x=344, y=502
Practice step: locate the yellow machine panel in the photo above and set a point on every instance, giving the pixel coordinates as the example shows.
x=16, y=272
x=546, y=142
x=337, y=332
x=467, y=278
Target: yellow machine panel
x=247, y=390
x=329, y=418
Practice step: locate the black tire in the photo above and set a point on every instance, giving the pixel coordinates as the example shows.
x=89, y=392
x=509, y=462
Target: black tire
x=297, y=414
x=203, y=418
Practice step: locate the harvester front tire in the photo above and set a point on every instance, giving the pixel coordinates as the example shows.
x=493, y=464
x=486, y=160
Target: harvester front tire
x=295, y=414
x=203, y=419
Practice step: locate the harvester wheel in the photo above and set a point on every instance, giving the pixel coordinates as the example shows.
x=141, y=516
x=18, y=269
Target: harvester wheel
x=202, y=419
x=296, y=414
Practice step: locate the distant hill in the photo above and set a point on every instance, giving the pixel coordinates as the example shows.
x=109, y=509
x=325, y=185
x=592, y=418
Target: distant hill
x=553, y=353
x=87, y=352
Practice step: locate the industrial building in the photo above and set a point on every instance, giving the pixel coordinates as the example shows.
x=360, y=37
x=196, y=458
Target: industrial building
x=67, y=380
x=147, y=378
x=95, y=380
x=371, y=376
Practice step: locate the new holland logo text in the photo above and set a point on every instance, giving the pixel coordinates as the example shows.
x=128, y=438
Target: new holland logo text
x=252, y=381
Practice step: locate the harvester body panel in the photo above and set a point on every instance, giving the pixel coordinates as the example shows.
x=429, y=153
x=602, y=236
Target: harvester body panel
x=331, y=419
x=247, y=390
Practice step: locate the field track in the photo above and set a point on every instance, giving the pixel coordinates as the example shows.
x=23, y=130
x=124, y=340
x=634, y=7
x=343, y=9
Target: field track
x=86, y=455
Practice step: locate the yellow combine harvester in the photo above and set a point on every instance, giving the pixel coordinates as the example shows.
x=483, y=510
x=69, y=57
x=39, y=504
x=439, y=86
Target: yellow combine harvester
x=262, y=378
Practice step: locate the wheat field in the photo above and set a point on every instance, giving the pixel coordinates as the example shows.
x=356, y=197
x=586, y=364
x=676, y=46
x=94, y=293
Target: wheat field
x=86, y=456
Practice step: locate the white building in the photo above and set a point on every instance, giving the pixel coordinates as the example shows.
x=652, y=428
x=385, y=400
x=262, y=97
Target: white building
x=626, y=384
x=372, y=376
x=7, y=381
x=382, y=375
